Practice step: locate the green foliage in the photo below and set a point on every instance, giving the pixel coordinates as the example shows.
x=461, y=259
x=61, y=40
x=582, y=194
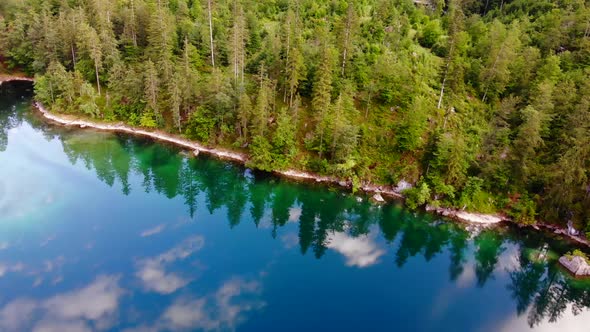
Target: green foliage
x=43, y=91
x=412, y=126
x=283, y=141
x=200, y=125
x=478, y=99
x=318, y=165
x=523, y=211
x=417, y=196
x=260, y=154
x=148, y=120
x=470, y=192
x=87, y=101
x=431, y=33
x=577, y=253
x=356, y=183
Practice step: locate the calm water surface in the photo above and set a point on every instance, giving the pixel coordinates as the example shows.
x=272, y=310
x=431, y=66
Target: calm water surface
x=105, y=232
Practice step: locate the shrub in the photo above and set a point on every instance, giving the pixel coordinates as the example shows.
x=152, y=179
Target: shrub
x=577, y=253
x=200, y=125
x=260, y=153
x=524, y=211
x=147, y=120
x=418, y=196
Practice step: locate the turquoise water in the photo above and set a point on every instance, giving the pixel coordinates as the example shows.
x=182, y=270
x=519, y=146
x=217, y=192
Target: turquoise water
x=106, y=232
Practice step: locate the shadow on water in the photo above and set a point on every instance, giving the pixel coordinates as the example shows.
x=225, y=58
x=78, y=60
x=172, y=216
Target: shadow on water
x=537, y=285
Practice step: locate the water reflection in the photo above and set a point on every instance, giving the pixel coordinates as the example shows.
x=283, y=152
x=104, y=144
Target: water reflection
x=10, y=97
x=224, y=309
x=152, y=271
x=327, y=220
x=91, y=308
x=316, y=222
x=360, y=251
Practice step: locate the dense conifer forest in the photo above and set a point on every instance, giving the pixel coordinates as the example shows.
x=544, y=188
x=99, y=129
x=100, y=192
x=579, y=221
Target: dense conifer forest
x=482, y=105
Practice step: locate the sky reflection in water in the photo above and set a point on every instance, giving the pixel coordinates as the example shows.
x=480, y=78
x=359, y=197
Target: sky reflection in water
x=102, y=232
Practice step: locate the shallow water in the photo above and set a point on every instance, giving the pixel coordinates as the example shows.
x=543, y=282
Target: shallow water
x=106, y=232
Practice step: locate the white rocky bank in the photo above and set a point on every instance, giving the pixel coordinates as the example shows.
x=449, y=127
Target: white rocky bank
x=377, y=191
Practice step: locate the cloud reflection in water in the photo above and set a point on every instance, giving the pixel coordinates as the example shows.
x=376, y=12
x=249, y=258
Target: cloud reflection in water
x=91, y=308
x=152, y=271
x=359, y=251
x=223, y=309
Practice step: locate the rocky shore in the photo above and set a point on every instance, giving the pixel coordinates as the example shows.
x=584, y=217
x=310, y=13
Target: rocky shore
x=196, y=147
x=14, y=78
x=378, y=192
x=578, y=266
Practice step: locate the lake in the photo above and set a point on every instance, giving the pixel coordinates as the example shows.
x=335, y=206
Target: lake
x=107, y=232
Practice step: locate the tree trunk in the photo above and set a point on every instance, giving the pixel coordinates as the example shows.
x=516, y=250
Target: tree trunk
x=368, y=102
x=346, y=40
x=97, y=79
x=73, y=55
x=211, y=33
x=51, y=90
x=493, y=68
x=133, y=33
x=287, y=57
x=442, y=89
x=291, y=96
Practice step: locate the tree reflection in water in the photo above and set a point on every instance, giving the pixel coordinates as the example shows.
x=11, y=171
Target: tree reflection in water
x=540, y=289
x=538, y=286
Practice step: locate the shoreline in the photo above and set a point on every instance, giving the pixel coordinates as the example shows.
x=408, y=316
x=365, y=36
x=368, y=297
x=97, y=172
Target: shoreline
x=13, y=78
x=377, y=191
x=479, y=219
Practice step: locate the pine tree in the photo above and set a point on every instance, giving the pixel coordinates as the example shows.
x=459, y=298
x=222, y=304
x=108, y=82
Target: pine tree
x=244, y=111
x=175, y=102
x=347, y=35
x=343, y=130
x=94, y=48
x=527, y=141
x=504, y=45
x=152, y=89
x=238, y=40
x=262, y=109
x=322, y=90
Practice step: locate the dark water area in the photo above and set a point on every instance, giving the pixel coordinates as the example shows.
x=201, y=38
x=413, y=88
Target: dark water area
x=107, y=232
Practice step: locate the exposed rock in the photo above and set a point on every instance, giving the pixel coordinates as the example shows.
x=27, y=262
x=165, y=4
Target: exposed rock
x=403, y=185
x=478, y=217
x=577, y=265
x=378, y=198
x=429, y=208
x=12, y=78
x=473, y=218
x=570, y=228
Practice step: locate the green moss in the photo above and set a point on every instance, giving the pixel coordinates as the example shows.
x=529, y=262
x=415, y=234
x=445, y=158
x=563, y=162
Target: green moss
x=577, y=253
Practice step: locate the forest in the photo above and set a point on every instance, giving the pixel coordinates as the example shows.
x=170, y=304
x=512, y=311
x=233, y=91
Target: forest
x=481, y=105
